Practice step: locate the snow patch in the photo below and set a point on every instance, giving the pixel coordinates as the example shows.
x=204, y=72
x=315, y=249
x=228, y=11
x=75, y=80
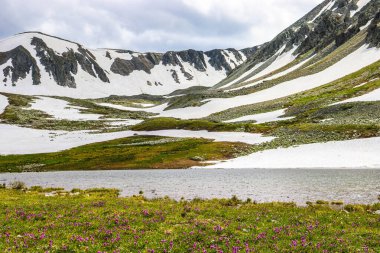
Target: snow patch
x=62, y=110
x=3, y=103
x=263, y=117
x=361, y=153
x=155, y=109
x=281, y=61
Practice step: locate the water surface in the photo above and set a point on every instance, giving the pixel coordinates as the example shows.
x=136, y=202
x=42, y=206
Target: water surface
x=298, y=185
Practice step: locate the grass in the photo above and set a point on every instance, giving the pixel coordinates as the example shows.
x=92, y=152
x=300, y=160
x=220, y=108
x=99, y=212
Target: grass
x=201, y=124
x=139, y=152
x=97, y=220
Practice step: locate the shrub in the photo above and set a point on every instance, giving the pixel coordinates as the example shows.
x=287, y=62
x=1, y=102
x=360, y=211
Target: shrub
x=354, y=208
x=321, y=202
x=17, y=185
x=36, y=188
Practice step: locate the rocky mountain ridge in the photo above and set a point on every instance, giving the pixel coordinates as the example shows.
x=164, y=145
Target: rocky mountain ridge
x=45, y=60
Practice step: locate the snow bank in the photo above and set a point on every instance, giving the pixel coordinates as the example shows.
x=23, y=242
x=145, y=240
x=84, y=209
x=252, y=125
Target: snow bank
x=155, y=109
x=248, y=138
x=19, y=140
x=361, y=153
x=60, y=109
x=262, y=117
x=353, y=62
x=3, y=103
x=282, y=60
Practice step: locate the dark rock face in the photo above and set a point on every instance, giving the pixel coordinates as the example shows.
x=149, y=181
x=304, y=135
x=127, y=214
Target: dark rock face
x=175, y=76
x=373, y=37
x=145, y=62
x=63, y=67
x=60, y=67
x=219, y=61
x=87, y=61
x=22, y=64
x=195, y=58
x=142, y=62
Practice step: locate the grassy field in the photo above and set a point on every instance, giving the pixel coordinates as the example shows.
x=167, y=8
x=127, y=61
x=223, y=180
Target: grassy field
x=96, y=220
x=138, y=152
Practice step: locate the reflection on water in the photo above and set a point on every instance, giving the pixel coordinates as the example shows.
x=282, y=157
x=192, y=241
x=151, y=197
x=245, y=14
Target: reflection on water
x=354, y=186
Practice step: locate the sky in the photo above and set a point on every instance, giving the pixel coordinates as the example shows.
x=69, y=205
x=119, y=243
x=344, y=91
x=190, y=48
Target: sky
x=154, y=25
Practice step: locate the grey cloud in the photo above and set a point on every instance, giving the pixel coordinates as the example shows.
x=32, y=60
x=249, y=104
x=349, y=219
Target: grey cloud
x=147, y=25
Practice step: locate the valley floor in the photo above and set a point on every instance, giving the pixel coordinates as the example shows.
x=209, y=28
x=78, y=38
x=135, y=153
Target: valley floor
x=96, y=220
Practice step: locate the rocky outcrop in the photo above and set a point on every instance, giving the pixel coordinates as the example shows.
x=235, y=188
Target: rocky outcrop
x=88, y=62
x=219, y=60
x=60, y=67
x=63, y=67
x=141, y=62
x=373, y=37
x=22, y=64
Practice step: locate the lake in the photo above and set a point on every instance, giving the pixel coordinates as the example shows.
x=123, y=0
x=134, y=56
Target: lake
x=298, y=185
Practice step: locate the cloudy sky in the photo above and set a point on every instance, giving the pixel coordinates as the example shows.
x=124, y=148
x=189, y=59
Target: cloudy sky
x=154, y=25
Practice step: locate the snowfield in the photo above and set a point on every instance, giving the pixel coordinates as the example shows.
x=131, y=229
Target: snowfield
x=155, y=109
x=281, y=60
x=362, y=57
x=360, y=153
x=3, y=103
x=61, y=109
x=18, y=140
x=262, y=117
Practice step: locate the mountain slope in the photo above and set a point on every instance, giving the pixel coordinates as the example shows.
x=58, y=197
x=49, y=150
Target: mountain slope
x=35, y=63
x=317, y=34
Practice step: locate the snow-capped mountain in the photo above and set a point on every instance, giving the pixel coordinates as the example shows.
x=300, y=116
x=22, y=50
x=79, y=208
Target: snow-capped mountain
x=320, y=32
x=36, y=63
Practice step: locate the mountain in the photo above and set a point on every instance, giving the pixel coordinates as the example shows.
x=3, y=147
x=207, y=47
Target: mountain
x=319, y=33
x=36, y=63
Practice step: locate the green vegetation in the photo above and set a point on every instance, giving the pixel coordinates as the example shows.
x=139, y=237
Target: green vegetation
x=97, y=220
x=139, y=152
x=201, y=124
